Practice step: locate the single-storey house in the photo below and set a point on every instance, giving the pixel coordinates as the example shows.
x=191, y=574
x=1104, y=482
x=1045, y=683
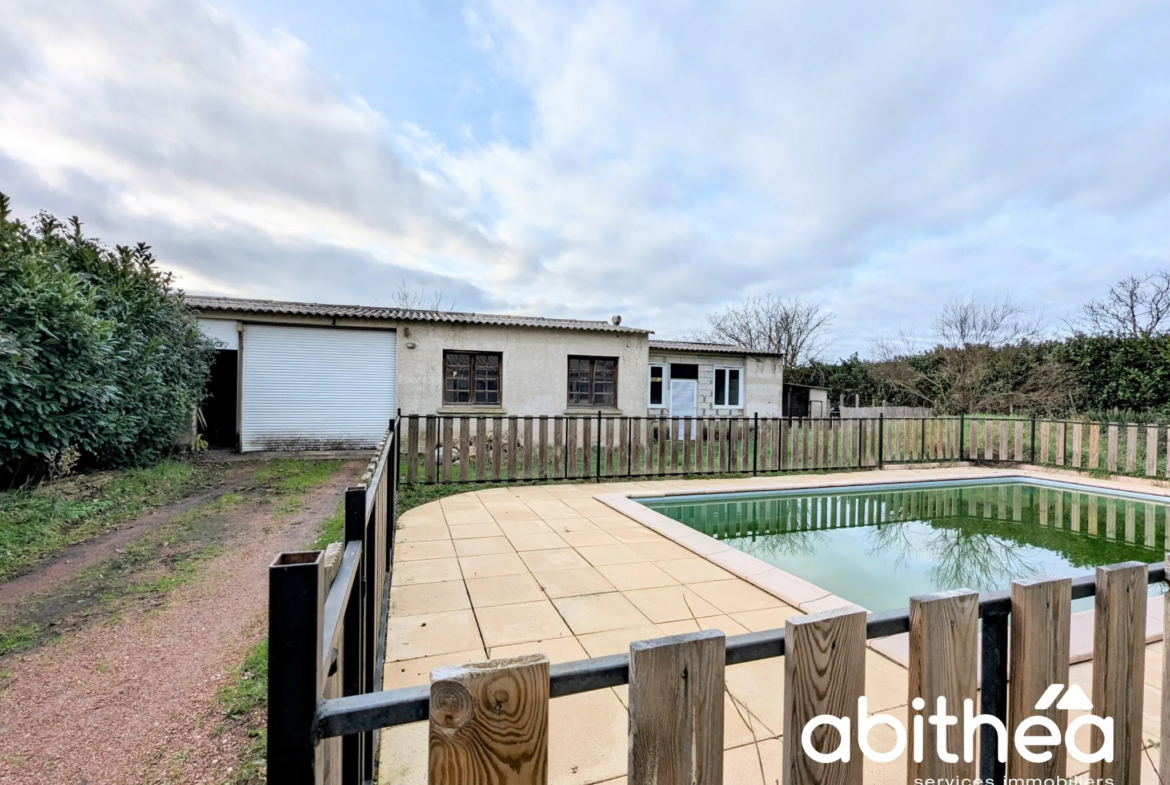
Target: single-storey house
x=313, y=376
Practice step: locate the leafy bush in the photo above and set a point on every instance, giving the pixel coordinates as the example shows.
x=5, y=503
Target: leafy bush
x=97, y=351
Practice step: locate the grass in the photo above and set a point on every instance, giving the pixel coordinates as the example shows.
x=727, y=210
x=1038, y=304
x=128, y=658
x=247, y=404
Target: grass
x=36, y=523
x=17, y=637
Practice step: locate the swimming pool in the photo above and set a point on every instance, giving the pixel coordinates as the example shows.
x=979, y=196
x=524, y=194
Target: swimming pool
x=878, y=545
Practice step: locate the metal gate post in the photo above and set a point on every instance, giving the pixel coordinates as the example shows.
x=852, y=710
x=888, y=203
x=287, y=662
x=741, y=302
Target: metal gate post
x=993, y=692
x=353, y=644
x=296, y=600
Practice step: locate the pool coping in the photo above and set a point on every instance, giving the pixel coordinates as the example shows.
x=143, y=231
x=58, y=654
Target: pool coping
x=810, y=598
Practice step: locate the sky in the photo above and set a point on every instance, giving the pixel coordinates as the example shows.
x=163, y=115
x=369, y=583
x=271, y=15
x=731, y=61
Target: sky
x=658, y=160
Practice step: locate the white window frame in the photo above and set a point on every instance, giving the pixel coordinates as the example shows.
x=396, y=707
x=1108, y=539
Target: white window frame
x=665, y=386
x=742, y=374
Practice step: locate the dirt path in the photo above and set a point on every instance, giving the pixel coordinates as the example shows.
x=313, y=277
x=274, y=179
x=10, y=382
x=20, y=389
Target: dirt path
x=133, y=702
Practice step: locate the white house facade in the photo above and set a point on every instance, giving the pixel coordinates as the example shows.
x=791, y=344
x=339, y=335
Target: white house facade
x=313, y=376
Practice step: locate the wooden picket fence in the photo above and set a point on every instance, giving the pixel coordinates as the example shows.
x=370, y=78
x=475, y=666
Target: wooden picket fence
x=489, y=721
x=453, y=448
x=471, y=449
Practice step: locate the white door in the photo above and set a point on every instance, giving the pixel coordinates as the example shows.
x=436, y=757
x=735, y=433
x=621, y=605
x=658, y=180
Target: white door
x=684, y=401
x=316, y=388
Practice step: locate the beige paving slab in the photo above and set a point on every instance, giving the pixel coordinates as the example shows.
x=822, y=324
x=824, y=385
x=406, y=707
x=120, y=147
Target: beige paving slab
x=504, y=590
x=517, y=528
x=586, y=537
x=599, y=555
x=537, y=542
x=766, y=618
x=411, y=673
x=429, y=571
x=566, y=649
x=416, y=551
x=694, y=570
x=502, y=625
x=491, y=565
x=735, y=596
x=462, y=517
x=726, y=624
x=557, y=559
x=412, y=637
x=470, y=530
x=483, y=546
x=670, y=603
x=601, y=644
x=573, y=525
x=599, y=612
x=418, y=598
x=552, y=510
x=587, y=741
x=572, y=582
x=635, y=575
x=403, y=758
x=421, y=534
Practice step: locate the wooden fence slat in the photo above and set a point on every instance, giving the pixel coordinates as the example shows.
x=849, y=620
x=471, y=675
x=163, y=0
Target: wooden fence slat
x=661, y=435
x=1119, y=660
x=526, y=469
x=609, y=425
x=675, y=442
x=676, y=710
x=481, y=448
x=1095, y=445
x=489, y=723
x=1151, y=450
x=542, y=451
x=1060, y=434
x=558, y=447
x=1111, y=449
x=1040, y=623
x=1003, y=441
x=448, y=442
x=512, y=445
x=1131, y=445
x=587, y=463
x=498, y=438
x=637, y=453
x=623, y=446
x=412, y=448
x=571, y=446
x=943, y=646
x=432, y=438
x=688, y=443
x=1077, y=442
x=824, y=673
x=1045, y=440
x=1018, y=452
x=464, y=449
x=749, y=436
x=973, y=441
x=712, y=445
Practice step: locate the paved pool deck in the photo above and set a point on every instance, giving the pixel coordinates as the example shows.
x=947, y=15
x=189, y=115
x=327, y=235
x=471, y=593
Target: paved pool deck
x=581, y=570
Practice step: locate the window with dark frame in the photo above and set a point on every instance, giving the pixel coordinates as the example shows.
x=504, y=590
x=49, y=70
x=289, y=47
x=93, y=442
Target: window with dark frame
x=471, y=378
x=728, y=387
x=593, y=381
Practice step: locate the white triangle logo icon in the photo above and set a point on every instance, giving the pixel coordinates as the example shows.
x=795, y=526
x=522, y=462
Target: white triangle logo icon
x=1076, y=700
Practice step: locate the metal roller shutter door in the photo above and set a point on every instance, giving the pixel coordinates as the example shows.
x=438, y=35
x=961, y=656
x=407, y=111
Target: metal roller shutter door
x=311, y=388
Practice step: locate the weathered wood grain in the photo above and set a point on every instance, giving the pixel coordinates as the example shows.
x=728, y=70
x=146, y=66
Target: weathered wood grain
x=489, y=723
x=676, y=710
x=448, y=446
x=943, y=664
x=824, y=673
x=1119, y=661
x=1041, y=609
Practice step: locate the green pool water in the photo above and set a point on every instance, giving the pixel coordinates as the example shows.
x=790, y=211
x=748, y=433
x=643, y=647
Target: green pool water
x=879, y=545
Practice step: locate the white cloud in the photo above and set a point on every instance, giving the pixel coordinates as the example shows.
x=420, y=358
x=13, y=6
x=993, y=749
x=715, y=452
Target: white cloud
x=881, y=158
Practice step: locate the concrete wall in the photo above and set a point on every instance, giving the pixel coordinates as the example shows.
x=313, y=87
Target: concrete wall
x=763, y=383
x=535, y=366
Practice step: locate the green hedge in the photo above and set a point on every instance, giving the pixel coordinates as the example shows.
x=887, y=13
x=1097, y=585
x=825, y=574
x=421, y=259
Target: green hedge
x=97, y=352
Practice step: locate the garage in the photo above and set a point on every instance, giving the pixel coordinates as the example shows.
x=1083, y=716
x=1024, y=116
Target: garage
x=315, y=388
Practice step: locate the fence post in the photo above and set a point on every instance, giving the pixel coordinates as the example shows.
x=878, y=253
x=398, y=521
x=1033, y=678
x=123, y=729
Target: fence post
x=296, y=597
x=993, y=689
x=1119, y=665
x=353, y=644
x=489, y=722
x=881, y=445
x=1032, y=451
x=676, y=709
x=597, y=474
x=755, y=443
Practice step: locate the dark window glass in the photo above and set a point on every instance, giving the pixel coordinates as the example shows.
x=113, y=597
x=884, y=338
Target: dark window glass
x=471, y=378
x=657, y=380
x=720, y=387
x=593, y=381
x=733, y=387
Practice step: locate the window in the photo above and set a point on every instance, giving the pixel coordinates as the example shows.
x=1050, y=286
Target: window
x=593, y=381
x=658, y=381
x=470, y=379
x=728, y=388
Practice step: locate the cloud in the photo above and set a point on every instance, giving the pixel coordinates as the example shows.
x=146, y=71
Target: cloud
x=879, y=158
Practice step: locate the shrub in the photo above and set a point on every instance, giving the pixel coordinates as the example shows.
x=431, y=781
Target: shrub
x=97, y=351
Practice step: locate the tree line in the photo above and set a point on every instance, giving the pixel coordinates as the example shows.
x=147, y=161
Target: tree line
x=983, y=356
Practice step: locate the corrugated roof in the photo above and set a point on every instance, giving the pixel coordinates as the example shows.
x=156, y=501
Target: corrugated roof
x=709, y=348
x=278, y=307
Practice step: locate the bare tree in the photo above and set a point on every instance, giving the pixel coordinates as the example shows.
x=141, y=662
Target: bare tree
x=985, y=322
x=417, y=299
x=795, y=329
x=1136, y=307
